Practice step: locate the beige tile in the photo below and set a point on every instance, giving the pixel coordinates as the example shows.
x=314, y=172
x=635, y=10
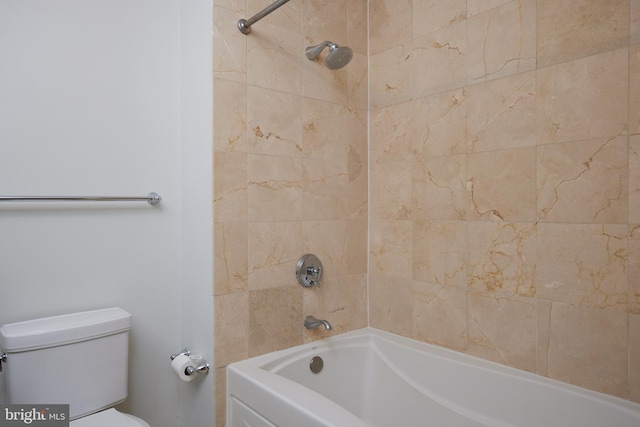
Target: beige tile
x=389, y=23
x=274, y=58
x=440, y=315
x=340, y=245
x=475, y=7
x=273, y=251
x=288, y=15
x=357, y=137
x=431, y=15
x=634, y=358
x=503, y=329
x=583, y=346
x=322, y=18
x=357, y=28
x=230, y=243
x=391, y=195
x=390, y=249
x=634, y=89
x=235, y=5
x=439, y=61
x=220, y=398
x=229, y=186
x=325, y=130
x=390, y=303
x=229, y=46
x=358, y=82
x=502, y=113
x=501, y=258
x=391, y=76
x=440, y=188
x=634, y=269
x=357, y=203
x=328, y=241
x=340, y=301
x=501, y=185
x=502, y=41
x=584, y=181
x=274, y=122
x=598, y=84
x=583, y=264
x=357, y=254
x=231, y=328
x=325, y=189
x=440, y=252
x=394, y=131
x=230, y=121
x=574, y=29
x=634, y=29
x=439, y=125
x=274, y=188
x=275, y=319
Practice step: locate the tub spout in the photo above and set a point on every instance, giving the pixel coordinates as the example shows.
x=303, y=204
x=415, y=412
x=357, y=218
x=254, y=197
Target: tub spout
x=311, y=322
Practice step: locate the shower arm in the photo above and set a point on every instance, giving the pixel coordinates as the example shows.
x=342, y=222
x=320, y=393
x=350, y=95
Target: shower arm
x=244, y=25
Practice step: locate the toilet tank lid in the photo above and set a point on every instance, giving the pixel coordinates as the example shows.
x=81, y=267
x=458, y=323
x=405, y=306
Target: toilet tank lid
x=64, y=329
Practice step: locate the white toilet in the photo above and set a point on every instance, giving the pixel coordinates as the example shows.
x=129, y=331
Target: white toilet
x=80, y=359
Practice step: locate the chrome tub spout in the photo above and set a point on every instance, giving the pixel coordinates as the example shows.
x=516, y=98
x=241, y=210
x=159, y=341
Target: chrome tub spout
x=311, y=322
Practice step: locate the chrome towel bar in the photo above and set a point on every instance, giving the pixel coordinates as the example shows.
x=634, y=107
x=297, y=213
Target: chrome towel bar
x=244, y=25
x=151, y=198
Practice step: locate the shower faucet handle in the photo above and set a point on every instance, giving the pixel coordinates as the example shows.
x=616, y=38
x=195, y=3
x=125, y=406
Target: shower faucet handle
x=309, y=271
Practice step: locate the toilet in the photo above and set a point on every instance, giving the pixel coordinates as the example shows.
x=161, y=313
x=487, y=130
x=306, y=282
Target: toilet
x=80, y=359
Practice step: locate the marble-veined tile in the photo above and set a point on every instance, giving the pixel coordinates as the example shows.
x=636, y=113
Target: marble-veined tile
x=584, y=346
x=503, y=329
x=501, y=185
x=584, y=181
x=502, y=41
x=572, y=29
x=230, y=264
x=275, y=319
x=583, y=264
x=502, y=113
x=501, y=258
x=390, y=23
x=440, y=252
x=273, y=250
x=583, y=99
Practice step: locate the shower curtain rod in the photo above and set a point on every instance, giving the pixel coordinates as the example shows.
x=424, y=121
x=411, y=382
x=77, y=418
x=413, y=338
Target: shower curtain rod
x=244, y=25
x=151, y=198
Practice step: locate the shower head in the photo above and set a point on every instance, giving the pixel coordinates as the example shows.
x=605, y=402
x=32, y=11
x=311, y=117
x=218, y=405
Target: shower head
x=338, y=56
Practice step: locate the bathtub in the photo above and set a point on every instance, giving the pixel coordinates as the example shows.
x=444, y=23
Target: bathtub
x=374, y=378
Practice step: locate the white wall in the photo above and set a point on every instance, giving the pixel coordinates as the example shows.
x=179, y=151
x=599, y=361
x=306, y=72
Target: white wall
x=197, y=238
x=90, y=104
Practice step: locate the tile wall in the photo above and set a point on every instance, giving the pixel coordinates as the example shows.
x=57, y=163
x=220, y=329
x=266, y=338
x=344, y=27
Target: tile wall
x=290, y=176
x=505, y=182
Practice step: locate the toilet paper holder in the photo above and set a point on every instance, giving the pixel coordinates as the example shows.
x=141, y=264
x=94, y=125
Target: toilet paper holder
x=202, y=368
x=185, y=352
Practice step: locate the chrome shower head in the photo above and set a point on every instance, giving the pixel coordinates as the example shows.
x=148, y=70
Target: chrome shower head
x=338, y=56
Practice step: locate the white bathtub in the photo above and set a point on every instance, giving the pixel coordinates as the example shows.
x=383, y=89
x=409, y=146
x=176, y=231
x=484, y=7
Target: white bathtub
x=373, y=378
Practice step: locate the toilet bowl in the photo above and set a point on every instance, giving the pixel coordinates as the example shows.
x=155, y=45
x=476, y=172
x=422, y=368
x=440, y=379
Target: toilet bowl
x=109, y=418
x=79, y=359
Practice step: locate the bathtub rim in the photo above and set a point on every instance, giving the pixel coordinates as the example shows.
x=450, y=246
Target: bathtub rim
x=263, y=369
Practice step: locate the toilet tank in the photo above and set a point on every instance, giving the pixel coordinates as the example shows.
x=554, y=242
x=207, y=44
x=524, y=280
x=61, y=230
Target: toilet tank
x=80, y=359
